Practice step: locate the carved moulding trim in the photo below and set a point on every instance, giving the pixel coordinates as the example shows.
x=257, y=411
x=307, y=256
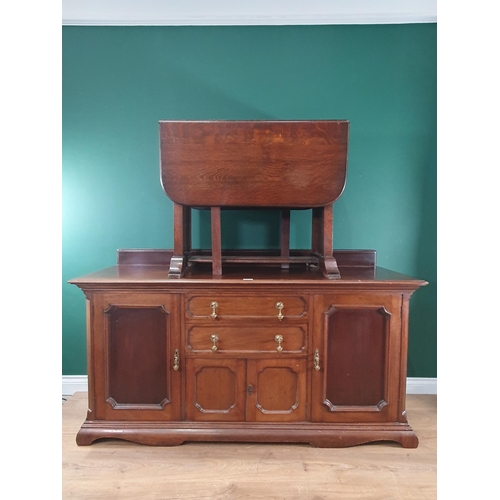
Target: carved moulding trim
x=133, y=406
x=345, y=408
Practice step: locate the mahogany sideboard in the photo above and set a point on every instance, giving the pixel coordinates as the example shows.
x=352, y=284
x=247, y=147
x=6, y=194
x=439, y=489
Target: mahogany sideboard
x=257, y=354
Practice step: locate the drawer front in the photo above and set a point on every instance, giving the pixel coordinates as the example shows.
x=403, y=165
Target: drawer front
x=283, y=339
x=253, y=306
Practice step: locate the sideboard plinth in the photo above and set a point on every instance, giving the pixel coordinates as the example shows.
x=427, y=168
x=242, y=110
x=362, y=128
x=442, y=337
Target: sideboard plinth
x=177, y=433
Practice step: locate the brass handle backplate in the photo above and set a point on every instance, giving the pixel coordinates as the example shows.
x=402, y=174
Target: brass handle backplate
x=278, y=339
x=280, y=306
x=316, y=360
x=176, y=359
x=214, y=339
x=214, y=305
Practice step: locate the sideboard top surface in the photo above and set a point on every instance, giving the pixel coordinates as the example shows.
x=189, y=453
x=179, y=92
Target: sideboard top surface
x=360, y=272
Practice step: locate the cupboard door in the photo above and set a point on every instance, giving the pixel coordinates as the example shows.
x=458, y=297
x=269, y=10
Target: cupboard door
x=215, y=389
x=356, y=358
x=136, y=342
x=276, y=390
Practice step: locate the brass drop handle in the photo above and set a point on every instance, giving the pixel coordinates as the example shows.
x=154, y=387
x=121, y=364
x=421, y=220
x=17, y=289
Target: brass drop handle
x=280, y=306
x=214, y=305
x=176, y=359
x=316, y=360
x=214, y=339
x=278, y=339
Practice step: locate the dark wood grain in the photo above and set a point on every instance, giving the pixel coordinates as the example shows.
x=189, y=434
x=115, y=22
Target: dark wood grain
x=182, y=232
x=285, y=238
x=144, y=257
x=215, y=220
x=267, y=279
x=279, y=393
x=356, y=350
x=216, y=389
x=243, y=340
x=133, y=337
x=281, y=346
x=136, y=334
x=247, y=306
x=253, y=163
x=339, y=379
x=148, y=257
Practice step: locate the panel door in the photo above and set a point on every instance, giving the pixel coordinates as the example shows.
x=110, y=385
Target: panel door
x=136, y=356
x=276, y=390
x=356, y=358
x=215, y=389
x=226, y=389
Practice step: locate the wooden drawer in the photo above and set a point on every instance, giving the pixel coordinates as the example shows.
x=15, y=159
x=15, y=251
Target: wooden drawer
x=247, y=339
x=233, y=306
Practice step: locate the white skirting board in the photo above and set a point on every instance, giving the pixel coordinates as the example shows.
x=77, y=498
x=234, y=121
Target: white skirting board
x=74, y=383
x=414, y=385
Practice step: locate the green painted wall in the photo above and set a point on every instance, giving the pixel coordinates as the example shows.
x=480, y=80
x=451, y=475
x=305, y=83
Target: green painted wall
x=118, y=82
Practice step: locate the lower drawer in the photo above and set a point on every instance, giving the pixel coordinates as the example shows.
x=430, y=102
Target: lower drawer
x=286, y=339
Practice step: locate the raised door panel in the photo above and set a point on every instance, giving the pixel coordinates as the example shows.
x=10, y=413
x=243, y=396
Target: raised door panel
x=136, y=345
x=276, y=390
x=357, y=347
x=215, y=389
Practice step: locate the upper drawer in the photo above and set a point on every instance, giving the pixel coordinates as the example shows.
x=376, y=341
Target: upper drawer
x=232, y=306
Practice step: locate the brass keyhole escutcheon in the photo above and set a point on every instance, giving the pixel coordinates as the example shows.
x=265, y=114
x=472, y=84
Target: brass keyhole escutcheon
x=279, y=339
x=214, y=339
x=250, y=389
x=214, y=305
x=280, y=306
x=176, y=359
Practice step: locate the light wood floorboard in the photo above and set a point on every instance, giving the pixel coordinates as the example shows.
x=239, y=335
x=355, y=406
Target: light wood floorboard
x=193, y=471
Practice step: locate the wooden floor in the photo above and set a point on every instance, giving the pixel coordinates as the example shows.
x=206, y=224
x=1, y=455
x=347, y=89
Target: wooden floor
x=384, y=471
